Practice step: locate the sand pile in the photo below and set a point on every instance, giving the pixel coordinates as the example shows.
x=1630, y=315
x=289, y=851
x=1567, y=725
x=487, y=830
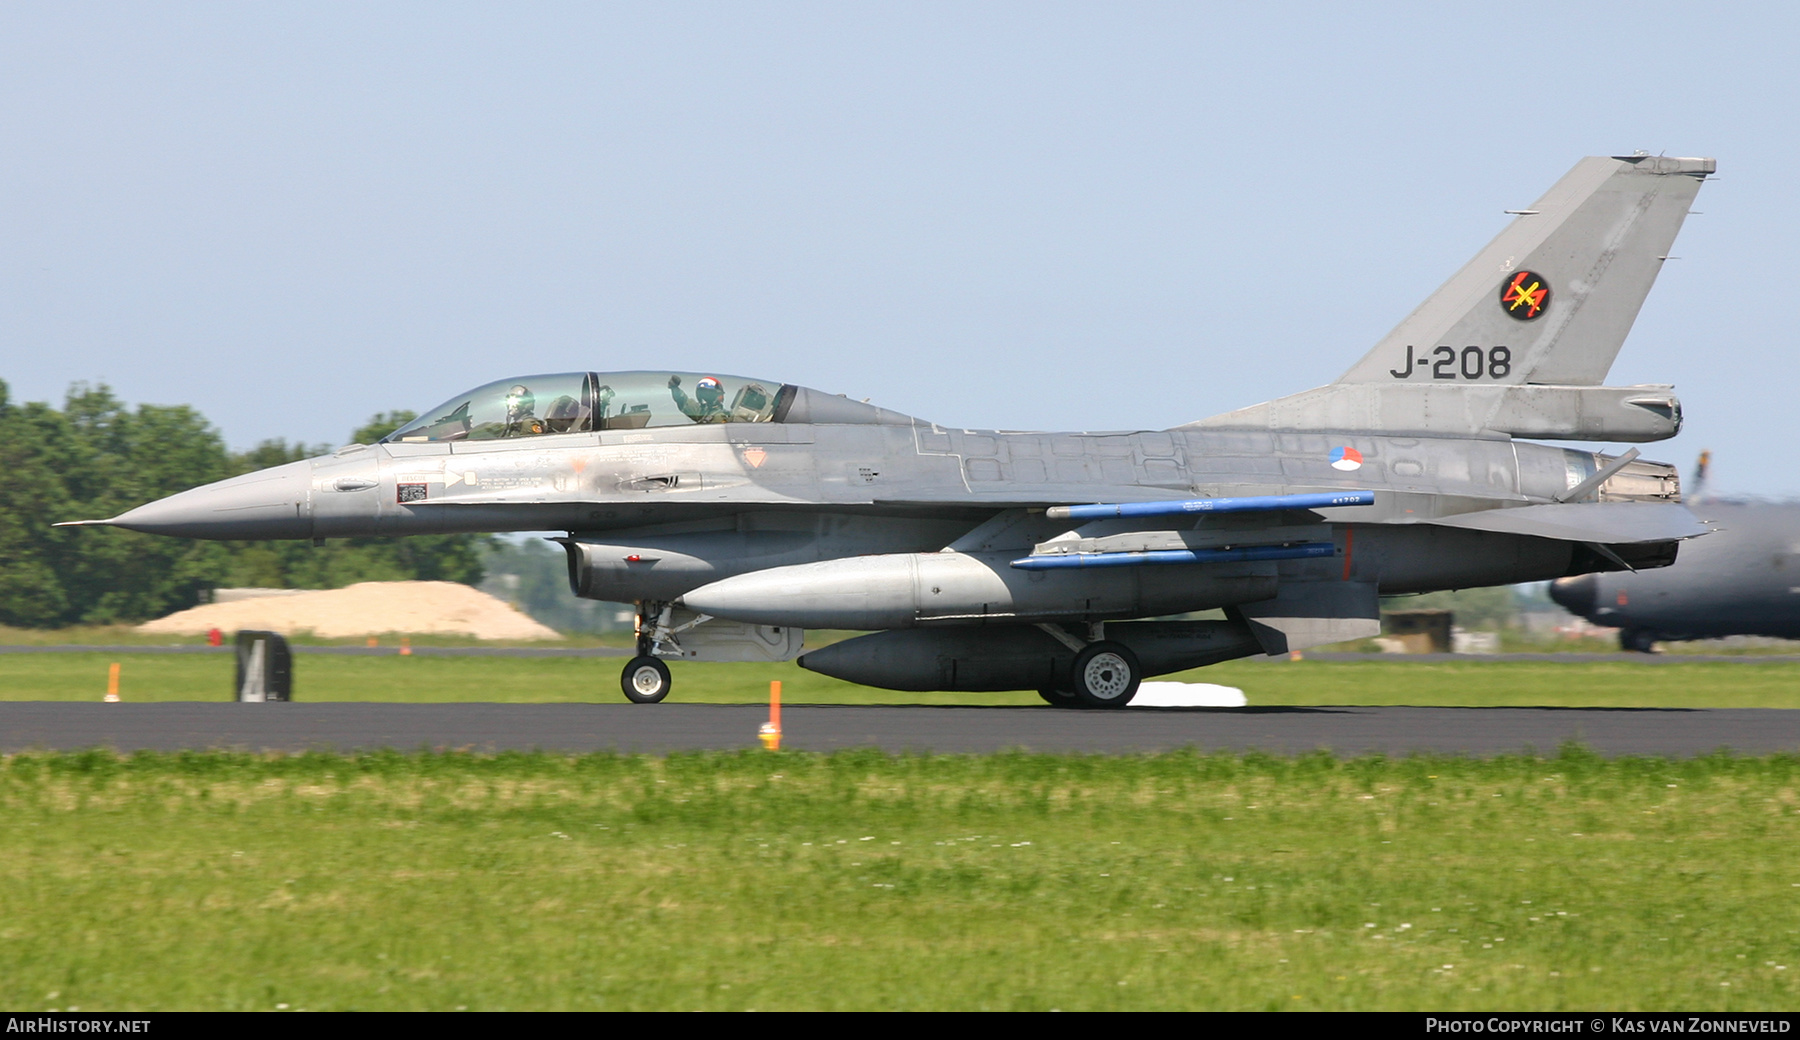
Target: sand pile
x=370, y=608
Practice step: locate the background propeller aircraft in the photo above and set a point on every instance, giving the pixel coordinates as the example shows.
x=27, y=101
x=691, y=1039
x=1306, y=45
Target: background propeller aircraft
x=737, y=512
x=1743, y=580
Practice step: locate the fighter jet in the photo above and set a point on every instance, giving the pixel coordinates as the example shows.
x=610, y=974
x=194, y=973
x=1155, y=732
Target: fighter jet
x=737, y=512
x=1742, y=580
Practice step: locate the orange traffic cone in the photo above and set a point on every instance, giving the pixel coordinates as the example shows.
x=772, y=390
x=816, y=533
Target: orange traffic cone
x=770, y=732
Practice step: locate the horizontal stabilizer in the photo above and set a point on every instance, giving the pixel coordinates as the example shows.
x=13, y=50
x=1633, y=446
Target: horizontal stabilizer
x=1605, y=523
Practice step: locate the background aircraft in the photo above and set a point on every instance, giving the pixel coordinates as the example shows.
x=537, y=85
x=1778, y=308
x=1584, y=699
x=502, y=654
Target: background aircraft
x=1743, y=579
x=735, y=512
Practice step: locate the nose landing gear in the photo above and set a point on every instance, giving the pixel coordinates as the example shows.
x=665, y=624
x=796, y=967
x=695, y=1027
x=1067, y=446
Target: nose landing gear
x=645, y=679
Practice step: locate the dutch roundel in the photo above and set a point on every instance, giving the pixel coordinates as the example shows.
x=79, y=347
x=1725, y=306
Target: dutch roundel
x=1346, y=458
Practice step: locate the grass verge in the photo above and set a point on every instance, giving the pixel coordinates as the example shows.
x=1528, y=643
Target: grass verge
x=861, y=881
x=81, y=675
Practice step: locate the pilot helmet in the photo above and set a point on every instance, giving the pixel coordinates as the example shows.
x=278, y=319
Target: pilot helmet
x=709, y=392
x=519, y=403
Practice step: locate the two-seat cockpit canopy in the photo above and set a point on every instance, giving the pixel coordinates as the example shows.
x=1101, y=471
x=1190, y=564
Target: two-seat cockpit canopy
x=587, y=402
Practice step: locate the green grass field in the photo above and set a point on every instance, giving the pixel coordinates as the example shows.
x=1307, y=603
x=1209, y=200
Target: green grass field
x=81, y=675
x=864, y=881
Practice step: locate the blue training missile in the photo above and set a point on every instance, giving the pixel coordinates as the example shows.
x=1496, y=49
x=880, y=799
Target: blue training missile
x=1247, y=504
x=1052, y=561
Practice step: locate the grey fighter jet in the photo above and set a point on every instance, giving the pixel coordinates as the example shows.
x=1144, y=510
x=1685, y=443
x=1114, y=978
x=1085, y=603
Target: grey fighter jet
x=737, y=512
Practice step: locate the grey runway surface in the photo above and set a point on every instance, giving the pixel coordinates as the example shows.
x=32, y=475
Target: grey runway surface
x=613, y=651
x=344, y=651
x=172, y=726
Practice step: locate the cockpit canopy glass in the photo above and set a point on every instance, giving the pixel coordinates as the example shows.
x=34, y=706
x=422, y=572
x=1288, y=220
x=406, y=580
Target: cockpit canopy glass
x=585, y=402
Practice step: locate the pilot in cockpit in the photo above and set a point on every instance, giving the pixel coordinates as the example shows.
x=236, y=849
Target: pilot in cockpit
x=708, y=403
x=563, y=415
x=520, y=420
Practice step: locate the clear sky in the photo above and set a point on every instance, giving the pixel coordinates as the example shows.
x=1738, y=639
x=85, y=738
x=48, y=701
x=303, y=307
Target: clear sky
x=1036, y=215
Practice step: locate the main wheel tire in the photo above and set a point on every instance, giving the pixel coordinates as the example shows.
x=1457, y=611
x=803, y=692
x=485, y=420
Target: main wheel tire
x=1106, y=675
x=1058, y=698
x=645, y=680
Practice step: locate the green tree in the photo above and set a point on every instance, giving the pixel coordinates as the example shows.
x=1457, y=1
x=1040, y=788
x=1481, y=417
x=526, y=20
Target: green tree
x=380, y=425
x=347, y=561
x=274, y=453
x=33, y=440
x=96, y=458
x=533, y=575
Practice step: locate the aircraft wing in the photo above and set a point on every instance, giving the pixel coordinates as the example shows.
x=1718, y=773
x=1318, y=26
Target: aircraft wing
x=1613, y=523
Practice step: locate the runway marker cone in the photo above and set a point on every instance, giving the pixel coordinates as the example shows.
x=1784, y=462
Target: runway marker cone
x=112, y=684
x=405, y=646
x=770, y=733
x=374, y=642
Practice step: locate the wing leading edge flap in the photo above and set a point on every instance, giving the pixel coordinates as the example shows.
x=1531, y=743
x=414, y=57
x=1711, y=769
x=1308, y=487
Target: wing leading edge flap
x=1605, y=523
x=1312, y=613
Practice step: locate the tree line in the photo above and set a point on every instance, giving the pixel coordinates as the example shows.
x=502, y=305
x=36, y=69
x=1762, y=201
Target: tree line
x=96, y=458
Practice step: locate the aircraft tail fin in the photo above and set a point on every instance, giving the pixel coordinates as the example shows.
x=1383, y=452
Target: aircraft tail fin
x=1552, y=297
x=1518, y=342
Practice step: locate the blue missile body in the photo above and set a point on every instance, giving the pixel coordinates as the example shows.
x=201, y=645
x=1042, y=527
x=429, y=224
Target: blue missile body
x=1247, y=504
x=1052, y=561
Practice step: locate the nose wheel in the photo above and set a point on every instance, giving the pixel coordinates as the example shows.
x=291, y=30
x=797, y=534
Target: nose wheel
x=645, y=680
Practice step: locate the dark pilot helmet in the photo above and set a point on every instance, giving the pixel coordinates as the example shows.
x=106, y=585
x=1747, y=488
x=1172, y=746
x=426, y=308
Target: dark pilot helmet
x=709, y=392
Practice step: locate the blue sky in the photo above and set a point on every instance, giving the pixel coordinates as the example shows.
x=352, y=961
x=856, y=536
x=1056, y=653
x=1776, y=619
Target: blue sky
x=1045, y=216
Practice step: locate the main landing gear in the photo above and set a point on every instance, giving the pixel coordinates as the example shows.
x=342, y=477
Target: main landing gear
x=1106, y=673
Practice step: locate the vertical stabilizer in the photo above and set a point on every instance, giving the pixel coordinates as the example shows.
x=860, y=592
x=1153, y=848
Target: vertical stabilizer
x=1552, y=297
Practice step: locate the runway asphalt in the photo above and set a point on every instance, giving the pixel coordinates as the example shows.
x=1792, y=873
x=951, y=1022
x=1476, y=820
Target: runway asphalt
x=614, y=651
x=172, y=726
x=347, y=651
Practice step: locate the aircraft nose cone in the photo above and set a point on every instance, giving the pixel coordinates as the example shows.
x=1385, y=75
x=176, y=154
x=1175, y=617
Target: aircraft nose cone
x=1576, y=595
x=270, y=503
